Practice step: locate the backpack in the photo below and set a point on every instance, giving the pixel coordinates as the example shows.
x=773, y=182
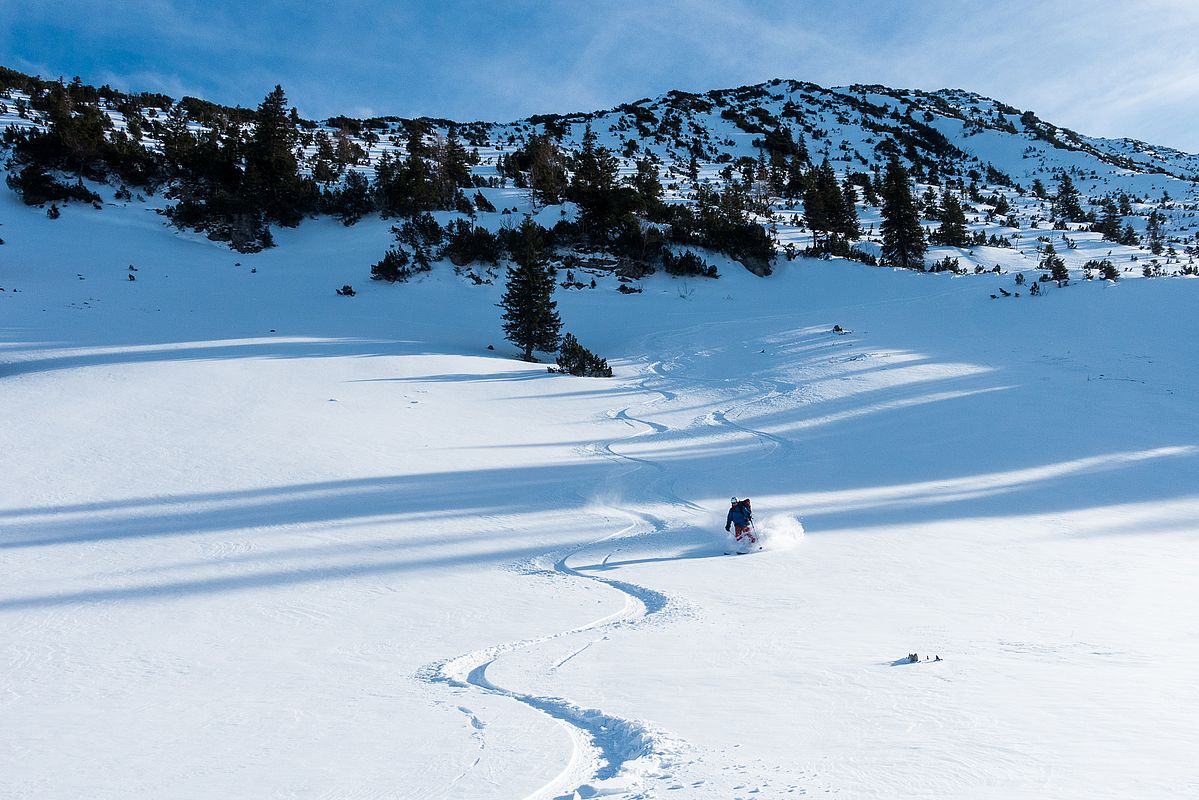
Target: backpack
x=743, y=505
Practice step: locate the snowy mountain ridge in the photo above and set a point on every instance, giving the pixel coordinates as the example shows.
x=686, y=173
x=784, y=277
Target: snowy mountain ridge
x=961, y=130
x=767, y=139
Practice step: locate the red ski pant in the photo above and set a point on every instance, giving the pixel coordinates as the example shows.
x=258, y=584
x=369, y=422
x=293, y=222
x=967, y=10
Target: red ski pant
x=744, y=530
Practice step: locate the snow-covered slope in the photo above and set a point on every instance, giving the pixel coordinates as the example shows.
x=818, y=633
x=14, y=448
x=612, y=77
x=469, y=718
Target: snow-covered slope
x=259, y=540
x=979, y=141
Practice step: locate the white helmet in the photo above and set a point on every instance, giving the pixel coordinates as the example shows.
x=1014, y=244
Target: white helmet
x=733, y=501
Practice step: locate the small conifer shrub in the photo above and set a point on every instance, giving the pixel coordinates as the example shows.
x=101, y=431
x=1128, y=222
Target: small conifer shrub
x=392, y=267
x=687, y=263
x=575, y=359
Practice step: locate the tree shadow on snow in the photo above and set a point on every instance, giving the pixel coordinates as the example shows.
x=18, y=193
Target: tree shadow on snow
x=931, y=447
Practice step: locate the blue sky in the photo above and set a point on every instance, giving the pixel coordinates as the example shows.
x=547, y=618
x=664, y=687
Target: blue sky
x=1102, y=68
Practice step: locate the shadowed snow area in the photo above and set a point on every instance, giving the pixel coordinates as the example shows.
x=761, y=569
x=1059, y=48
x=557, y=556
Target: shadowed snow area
x=258, y=540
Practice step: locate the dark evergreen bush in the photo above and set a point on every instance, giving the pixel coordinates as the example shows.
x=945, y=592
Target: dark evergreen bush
x=838, y=246
x=392, y=267
x=1106, y=269
x=687, y=263
x=351, y=201
x=722, y=222
x=575, y=359
x=1056, y=266
x=466, y=244
x=36, y=187
x=483, y=204
x=947, y=264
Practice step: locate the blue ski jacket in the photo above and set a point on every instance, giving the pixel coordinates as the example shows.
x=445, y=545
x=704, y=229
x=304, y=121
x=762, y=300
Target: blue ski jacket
x=736, y=515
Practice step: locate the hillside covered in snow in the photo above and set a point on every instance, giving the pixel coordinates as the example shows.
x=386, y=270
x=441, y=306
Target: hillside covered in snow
x=681, y=171
x=263, y=538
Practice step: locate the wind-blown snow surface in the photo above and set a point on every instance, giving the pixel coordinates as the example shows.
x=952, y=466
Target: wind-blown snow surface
x=257, y=540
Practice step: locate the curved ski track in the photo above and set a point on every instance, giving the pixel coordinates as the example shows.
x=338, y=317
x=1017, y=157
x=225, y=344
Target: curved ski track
x=603, y=744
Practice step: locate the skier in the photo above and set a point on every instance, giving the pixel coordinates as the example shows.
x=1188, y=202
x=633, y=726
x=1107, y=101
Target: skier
x=740, y=517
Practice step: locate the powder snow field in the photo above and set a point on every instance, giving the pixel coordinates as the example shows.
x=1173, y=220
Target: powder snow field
x=257, y=540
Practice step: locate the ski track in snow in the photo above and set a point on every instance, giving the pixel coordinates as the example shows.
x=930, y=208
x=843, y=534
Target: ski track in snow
x=607, y=747
x=604, y=744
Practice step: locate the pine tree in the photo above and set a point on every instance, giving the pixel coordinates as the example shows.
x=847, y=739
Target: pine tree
x=1109, y=224
x=272, y=180
x=849, y=226
x=177, y=140
x=824, y=205
x=1153, y=232
x=325, y=168
x=932, y=204
x=416, y=178
x=592, y=187
x=531, y=319
x=953, y=222
x=347, y=151
x=815, y=214
x=647, y=183
x=453, y=168
x=595, y=166
x=1054, y=265
x=795, y=182
x=903, y=237
x=546, y=171
x=1066, y=202
x=869, y=196
x=392, y=267
x=350, y=202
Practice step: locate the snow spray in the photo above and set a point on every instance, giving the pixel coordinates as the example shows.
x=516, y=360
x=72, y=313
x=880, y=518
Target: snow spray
x=779, y=531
